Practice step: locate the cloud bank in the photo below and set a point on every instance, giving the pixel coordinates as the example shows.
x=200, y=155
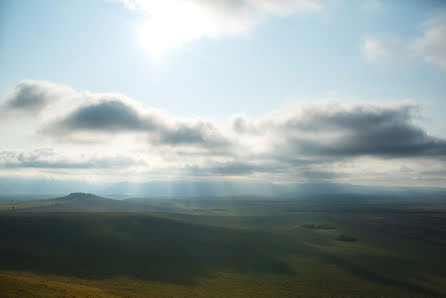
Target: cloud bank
x=319, y=141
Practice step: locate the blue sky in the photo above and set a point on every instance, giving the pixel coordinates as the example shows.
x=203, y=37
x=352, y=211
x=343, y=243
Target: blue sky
x=250, y=58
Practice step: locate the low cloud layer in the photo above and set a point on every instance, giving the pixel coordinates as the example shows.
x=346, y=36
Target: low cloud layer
x=319, y=141
x=49, y=159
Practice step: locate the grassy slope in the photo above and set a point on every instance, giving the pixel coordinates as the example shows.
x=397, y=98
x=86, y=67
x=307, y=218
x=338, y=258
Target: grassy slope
x=315, y=283
x=142, y=246
x=224, y=249
x=16, y=284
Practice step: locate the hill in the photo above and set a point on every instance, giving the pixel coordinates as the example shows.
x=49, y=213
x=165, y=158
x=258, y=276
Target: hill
x=84, y=202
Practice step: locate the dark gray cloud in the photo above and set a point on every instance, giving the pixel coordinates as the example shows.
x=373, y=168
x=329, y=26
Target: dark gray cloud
x=115, y=115
x=331, y=130
x=393, y=140
x=108, y=115
x=326, y=117
x=358, y=131
x=200, y=133
x=389, y=141
x=184, y=135
x=33, y=96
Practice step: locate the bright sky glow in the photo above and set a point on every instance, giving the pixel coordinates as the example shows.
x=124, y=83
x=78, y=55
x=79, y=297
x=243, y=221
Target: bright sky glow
x=173, y=23
x=167, y=30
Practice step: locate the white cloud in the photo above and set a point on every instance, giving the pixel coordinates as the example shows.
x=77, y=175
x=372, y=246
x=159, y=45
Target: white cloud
x=173, y=23
x=375, y=50
x=429, y=46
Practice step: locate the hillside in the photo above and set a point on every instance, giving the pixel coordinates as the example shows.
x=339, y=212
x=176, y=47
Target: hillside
x=202, y=248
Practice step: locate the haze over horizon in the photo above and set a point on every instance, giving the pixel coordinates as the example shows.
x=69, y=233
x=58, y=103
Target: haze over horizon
x=282, y=92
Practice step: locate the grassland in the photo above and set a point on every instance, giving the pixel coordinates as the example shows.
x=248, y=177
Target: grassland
x=223, y=248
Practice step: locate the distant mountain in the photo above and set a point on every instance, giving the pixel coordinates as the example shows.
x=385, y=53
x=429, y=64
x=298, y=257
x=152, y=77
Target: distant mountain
x=183, y=189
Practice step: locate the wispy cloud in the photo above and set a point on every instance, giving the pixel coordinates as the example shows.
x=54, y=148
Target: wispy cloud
x=430, y=45
x=376, y=50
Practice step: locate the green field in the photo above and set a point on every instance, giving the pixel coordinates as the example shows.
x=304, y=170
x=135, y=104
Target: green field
x=223, y=248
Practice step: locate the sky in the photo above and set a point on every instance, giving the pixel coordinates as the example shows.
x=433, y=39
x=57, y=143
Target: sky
x=280, y=91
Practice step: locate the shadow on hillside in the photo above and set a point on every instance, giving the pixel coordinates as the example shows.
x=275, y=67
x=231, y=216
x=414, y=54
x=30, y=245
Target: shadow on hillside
x=98, y=246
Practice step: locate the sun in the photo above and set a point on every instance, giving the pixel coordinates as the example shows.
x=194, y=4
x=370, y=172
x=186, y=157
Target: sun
x=170, y=28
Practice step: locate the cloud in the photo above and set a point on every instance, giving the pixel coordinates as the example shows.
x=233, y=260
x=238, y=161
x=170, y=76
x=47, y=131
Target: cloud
x=172, y=23
x=115, y=116
x=375, y=50
x=323, y=140
x=325, y=128
x=49, y=159
x=429, y=46
x=110, y=113
x=320, y=175
x=85, y=117
x=333, y=130
x=96, y=115
x=32, y=96
x=202, y=133
x=242, y=126
x=234, y=168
